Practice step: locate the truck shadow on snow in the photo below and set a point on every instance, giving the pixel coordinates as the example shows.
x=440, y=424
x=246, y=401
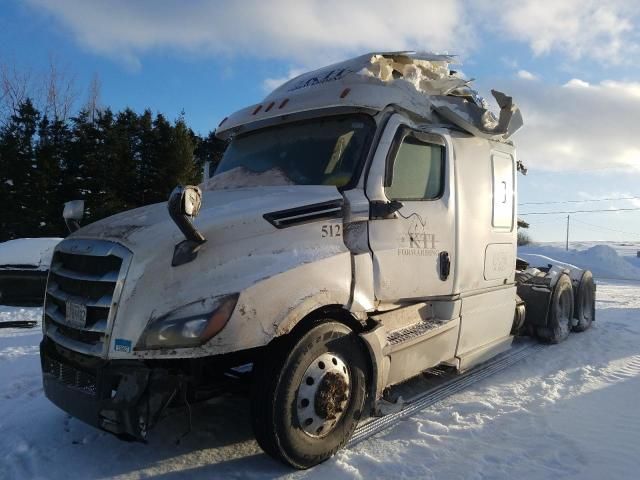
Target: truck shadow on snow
x=220, y=440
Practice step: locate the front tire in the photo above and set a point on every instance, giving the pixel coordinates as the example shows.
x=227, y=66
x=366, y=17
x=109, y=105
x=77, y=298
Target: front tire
x=309, y=393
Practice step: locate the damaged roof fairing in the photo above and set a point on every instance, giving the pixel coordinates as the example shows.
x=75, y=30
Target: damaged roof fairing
x=421, y=83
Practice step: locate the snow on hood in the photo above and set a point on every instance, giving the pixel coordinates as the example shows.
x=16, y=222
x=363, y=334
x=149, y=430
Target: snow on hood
x=34, y=253
x=240, y=177
x=225, y=216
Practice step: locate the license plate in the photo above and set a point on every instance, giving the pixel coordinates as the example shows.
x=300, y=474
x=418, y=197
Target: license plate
x=76, y=315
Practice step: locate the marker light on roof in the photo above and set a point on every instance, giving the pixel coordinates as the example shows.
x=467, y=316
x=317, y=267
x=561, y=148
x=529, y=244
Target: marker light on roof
x=258, y=108
x=284, y=102
x=270, y=106
x=345, y=92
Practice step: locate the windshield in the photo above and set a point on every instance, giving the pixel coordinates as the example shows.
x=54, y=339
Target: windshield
x=326, y=151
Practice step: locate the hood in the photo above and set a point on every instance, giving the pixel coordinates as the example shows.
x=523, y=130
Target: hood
x=242, y=248
x=226, y=215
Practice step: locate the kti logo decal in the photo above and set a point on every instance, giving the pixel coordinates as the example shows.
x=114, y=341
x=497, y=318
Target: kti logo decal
x=418, y=241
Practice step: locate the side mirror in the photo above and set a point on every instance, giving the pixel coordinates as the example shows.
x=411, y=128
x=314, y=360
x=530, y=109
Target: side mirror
x=184, y=205
x=73, y=212
x=380, y=210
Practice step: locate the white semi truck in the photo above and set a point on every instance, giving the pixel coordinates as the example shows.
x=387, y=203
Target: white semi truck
x=360, y=229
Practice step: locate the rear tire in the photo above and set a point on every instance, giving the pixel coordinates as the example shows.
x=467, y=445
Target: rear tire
x=309, y=393
x=560, y=317
x=585, y=309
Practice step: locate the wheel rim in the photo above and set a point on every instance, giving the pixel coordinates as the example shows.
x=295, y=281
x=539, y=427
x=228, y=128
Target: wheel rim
x=323, y=395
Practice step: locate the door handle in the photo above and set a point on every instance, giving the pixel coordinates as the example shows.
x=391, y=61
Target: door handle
x=445, y=265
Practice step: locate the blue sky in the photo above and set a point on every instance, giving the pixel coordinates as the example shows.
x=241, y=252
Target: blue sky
x=573, y=67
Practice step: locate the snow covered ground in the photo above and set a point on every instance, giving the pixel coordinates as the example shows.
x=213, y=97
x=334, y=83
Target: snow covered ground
x=33, y=252
x=567, y=411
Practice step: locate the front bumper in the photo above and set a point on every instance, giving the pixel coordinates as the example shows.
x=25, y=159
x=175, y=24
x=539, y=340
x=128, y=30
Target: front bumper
x=125, y=398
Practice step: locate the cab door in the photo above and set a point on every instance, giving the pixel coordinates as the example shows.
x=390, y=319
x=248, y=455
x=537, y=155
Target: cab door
x=413, y=246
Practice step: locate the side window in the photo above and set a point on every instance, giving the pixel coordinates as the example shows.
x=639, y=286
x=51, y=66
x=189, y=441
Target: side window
x=503, y=186
x=418, y=171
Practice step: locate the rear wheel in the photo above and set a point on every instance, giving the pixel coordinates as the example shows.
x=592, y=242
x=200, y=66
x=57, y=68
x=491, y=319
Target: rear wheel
x=585, y=309
x=560, y=317
x=309, y=394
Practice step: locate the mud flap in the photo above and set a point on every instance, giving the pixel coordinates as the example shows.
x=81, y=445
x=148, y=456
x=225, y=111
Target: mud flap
x=536, y=294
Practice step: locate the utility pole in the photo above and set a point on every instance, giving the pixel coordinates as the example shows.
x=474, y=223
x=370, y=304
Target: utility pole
x=567, y=245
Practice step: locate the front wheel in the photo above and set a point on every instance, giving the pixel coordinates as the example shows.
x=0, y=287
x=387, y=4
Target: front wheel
x=309, y=394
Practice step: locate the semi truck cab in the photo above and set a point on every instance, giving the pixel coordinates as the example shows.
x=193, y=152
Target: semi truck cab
x=360, y=228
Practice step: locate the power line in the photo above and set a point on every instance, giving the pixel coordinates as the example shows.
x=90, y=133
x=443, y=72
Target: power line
x=629, y=168
x=606, y=228
x=582, y=211
x=582, y=201
x=545, y=222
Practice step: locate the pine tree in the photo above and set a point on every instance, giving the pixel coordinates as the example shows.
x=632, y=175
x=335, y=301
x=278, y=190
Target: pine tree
x=113, y=161
x=210, y=149
x=146, y=165
x=122, y=171
x=79, y=168
x=22, y=199
x=51, y=151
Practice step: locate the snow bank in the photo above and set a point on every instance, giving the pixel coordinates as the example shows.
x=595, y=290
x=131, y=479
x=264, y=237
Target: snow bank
x=602, y=260
x=34, y=252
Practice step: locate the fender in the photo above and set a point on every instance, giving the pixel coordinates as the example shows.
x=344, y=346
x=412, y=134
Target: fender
x=307, y=305
x=296, y=293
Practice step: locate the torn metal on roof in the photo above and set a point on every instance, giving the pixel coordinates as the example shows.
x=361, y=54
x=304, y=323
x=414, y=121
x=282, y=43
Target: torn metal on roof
x=419, y=82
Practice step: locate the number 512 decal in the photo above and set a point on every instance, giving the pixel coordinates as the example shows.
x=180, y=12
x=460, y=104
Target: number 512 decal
x=331, y=231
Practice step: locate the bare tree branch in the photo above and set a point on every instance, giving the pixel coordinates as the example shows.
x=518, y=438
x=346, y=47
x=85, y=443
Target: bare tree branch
x=61, y=94
x=15, y=86
x=93, y=99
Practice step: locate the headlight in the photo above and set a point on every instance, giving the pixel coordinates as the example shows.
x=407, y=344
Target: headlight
x=190, y=325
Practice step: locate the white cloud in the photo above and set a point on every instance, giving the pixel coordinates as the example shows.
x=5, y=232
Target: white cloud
x=578, y=126
x=572, y=126
x=270, y=84
x=314, y=32
x=576, y=83
x=577, y=28
x=526, y=75
x=631, y=198
x=630, y=88
x=308, y=33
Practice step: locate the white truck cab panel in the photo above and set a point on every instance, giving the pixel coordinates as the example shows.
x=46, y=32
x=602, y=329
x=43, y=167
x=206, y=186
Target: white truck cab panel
x=413, y=248
x=485, y=188
x=367, y=201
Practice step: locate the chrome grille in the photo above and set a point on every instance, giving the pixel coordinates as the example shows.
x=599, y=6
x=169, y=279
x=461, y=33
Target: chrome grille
x=89, y=273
